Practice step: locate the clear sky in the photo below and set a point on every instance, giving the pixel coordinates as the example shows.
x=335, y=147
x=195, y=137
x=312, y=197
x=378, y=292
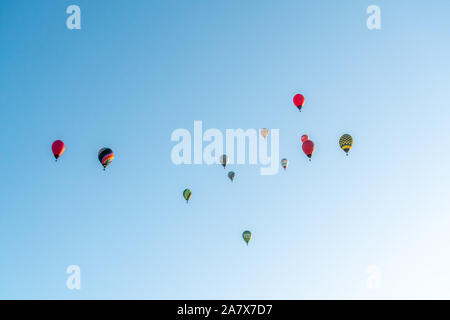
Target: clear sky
x=137, y=70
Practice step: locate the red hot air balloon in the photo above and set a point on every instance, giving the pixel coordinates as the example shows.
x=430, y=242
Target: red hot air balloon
x=58, y=149
x=299, y=100
x=308, y=148
x=304, y=138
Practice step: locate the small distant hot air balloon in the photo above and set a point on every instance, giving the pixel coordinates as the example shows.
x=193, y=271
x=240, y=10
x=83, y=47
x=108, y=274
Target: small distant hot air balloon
x=224, y=160
x=346, y=143
x=231, y=175
x=308, y=148
x=247, y=235
x=264, y=132
x=105, y=156
x=187, y=194
x=58, y=148
x=299, y=100
x=284, y=163
x=304, y=138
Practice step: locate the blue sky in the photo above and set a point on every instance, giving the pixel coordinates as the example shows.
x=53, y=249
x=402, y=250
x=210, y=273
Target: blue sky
x=138, y=70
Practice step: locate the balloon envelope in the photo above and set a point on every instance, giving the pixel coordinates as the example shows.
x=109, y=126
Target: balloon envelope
x=58, y=148
x=224, y=160
x=299, y=100
x=105, y=156
x=346, y=142
x=264, y=132
x=308, y=148
x=284, y=163
x=187, y=194
x=304, y=138
x=247, y=236
x=231, y=175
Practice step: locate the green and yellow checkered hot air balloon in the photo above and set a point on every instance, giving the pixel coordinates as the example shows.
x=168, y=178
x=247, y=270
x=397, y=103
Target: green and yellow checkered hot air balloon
x=346, y=143
x=187, y=194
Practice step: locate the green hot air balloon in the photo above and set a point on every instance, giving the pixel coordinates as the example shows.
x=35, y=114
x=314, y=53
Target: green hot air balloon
x=231, y=175
x=187, y=195
x=247, y=235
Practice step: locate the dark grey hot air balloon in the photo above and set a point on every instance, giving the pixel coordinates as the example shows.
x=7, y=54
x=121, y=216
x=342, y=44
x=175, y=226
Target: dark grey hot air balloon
x=224, y=160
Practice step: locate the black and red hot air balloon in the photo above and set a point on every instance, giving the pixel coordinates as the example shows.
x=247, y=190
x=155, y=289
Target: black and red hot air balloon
x=105, y=156
x=58, y=148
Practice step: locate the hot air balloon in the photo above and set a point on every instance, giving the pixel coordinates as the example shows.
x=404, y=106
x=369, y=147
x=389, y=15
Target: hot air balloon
x=308, y=148
x=284, y=163
x=304, y=138
x=231, y=175
x=224, y=160
x=247, y=235
x=264, y=132
x=105, y=156
x=346, y=143
x=58, y=149
x=299, y=100
x=187, y=194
